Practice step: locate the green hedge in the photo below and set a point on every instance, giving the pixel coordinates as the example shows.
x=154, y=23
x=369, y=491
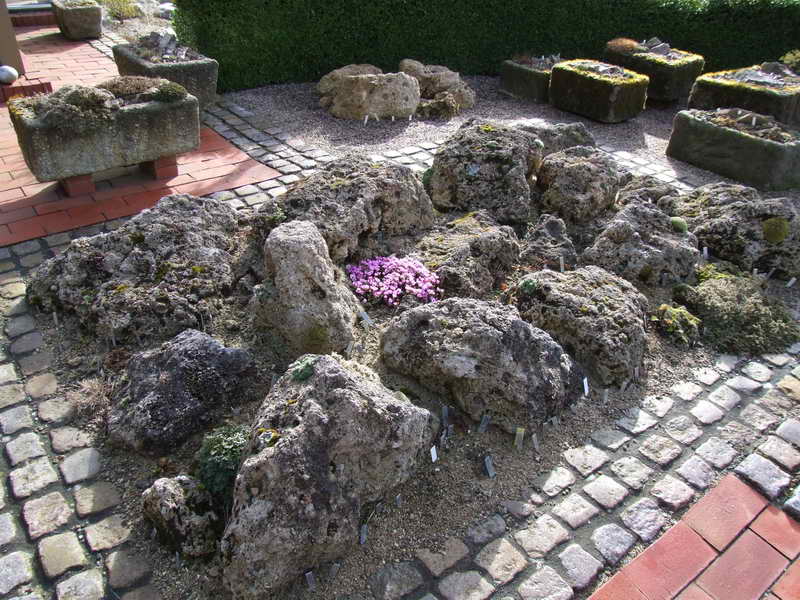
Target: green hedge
x=268, y=41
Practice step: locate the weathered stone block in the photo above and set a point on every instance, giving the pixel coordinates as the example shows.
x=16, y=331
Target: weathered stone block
x=78, y=22
x=670, y=79
x=524, y=82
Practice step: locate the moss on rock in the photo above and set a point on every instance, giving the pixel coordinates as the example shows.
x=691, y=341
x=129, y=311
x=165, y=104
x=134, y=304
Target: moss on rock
x=776, y=229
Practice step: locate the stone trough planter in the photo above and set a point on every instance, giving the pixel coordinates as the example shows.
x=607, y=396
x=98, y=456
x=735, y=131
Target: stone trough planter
x=70, y=149
x=198, y=76
x=763, y=91
x=712, y=141
x=526, y=82
x=78, y=19
x=672, y=72
x=603, y=92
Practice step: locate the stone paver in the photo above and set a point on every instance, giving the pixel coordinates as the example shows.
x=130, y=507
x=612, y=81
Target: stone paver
x=61, y=552
x=586, y=459
x=725, y=397
x=637, y=421
x=687, y=391
x=672, y=492
x=707, y=412
x=743, y=385
x=556, y=481
x=580, y=567
x=789, y=430
x=126, y=568
x=469, y=585
x=764, y=474
x=46, y=514
x=16, y=568
x=605, y=491
x=23, y=447
x=757, y=418
x=781, y=452
x=610, y=438
x=149, y=592
x=575, y=510
x=15, y=419
x=487, y=530
x=34, y=476
x=542, y=536
x=501, y=560
x=56, y=410
x=697, y=472
x=613, y=542
x=41, y=386
x=87, y=585
x=393, y=581
x=644, y=518
x=11, y=394
x=633, y=472
x=438, y=562
x=682, y=429
x=95, y=498
x=68, y=438
x=545, y=584
x=658, y=405
x=660, y=450
x=81, y=465
x=9, y=531
x=757, y=371
x=706, y=375
x=27, y=343
x=108, y=533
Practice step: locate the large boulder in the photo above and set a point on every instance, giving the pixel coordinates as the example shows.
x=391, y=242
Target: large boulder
x=361, y=208
x=381, y=96
x=472, y=256
x=158, y=274
x=643, y=245
x=436, y=79
x=579, y=184
x=486, y=166
x=328, y=440
x=547, y=244
x=559, y=136
x=173, y=390
x=740, y=226
x=304, y=296
x=330, y=82
x=598, y=317
x=484, y=358
x=182, y=513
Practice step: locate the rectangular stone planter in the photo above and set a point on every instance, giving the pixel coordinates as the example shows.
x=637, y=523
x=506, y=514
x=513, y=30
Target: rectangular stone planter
x=604, y=98
x=711, y=91
x=670, y=80
x=138, y=133
x=524, y=82
x=78, y=22
x=199, y=77
x=759, y=162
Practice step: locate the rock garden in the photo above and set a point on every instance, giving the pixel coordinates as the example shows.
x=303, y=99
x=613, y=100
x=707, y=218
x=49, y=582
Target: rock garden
x=377, y=368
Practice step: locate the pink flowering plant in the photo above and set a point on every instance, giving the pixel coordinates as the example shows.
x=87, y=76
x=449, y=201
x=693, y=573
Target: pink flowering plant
x=389, y=278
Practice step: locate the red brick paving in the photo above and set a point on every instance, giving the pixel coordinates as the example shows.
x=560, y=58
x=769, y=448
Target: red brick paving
x=732, y=545
x=30, y=209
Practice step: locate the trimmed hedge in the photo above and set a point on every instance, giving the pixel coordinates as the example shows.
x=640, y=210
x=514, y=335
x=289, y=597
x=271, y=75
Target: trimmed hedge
x=268, y=41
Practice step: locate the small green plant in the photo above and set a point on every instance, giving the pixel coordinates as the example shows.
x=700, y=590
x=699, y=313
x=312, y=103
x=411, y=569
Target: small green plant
x=776, y=229
x=679, y=224
x=678, y=323
x=715, y=271
x=170, y=92
x=122, y=9
x=303, y=368
x=487, y=128
x=528, y=286
x=426, y=177
x=218, y=460
x=792, y=60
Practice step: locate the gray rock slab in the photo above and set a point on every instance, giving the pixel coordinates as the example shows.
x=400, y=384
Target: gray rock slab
x=682, y=429
x=725, y=397
x=764, y=474
x=707, y=412
x=586, y=459
x=575, y=510
x=95, y=498
x=126, y=568
x=781, y=452
x=518, y=509
x=15, y=569
x=605, y=491
x=633, y=472
x=580, y=567
x=34, y=363
x=469, y=585
x=17, y=326
x=545, y=584
x=108, y=533
x=636, y=421
x=438, y=562
x=34, y=476
x=87, y=585
x=487, y=530
x=80, y=465
x=610, y=438
x=612, y=542
x=16, y=419
x=46, y=514
x=9, y=531
x=501, y=560
x=556, y=481
x=393, y=581
x=542, y=536
x=61, y=552
x=660, y=450
x=644, y=518
x=23, y=447
x=789, y=430
x=697, y=472
x=27, y=343
x=672, y=492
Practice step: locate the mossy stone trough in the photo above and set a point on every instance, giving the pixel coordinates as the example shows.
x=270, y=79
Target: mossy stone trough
x=521, y=81
x=670, y=80
x=580, y=86
x=78, y=19
x=760, y=162
x=714, y=90
x=199, y=76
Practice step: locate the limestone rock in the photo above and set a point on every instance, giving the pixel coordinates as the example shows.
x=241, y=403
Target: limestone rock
x=156, y=275
x=484, y=358
x=361, y=209
x=174, y=388
x=740, y=226
x=546, y=243
x=579, y=184
x=486, y=166
x=382, y=96
x=304, y=296
x=641, y=245
x=436, y=79
x=442, y=106
x=596, y=316
x=559, y=136
x=328, y=440
x=328, y=84
x=645, y=188
x=181, y=511
x=472, y=256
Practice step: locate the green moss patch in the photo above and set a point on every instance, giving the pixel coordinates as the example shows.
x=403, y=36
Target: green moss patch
x=775, y=230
